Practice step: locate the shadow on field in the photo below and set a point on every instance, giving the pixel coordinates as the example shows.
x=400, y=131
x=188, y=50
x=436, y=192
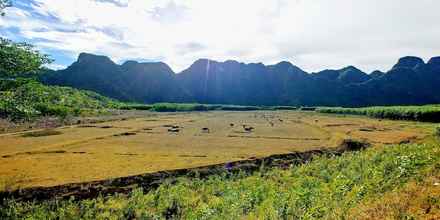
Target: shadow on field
x=42, y=152
x=42, y=133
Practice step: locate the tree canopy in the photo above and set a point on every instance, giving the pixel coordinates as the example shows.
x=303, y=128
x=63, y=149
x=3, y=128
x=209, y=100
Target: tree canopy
x=3, y=5
x=20, y=58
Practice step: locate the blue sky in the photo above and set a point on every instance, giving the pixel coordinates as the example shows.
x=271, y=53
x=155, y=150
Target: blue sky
x=313, y=34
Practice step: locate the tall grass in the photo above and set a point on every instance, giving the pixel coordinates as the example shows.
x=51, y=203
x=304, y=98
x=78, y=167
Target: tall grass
x=427, y=113
x=327, y=187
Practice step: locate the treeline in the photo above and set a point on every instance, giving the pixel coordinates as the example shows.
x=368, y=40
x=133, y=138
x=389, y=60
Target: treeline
x=427, y=113
x=188, y=107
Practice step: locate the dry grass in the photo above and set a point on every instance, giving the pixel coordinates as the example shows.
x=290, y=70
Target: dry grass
x=416, y=200
x=134, y=146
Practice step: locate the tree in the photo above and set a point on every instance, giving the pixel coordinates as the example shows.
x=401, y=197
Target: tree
x=20, y=58
x=3, y=5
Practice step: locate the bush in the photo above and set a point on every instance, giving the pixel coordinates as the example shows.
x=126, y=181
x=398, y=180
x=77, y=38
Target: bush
x=184, y=107
x=308, y=108
x=427, y=113
x=284, y=108
x=174, y=107
x=12, y=84
x=135, y=107
x=48, y=110
x=240, y=108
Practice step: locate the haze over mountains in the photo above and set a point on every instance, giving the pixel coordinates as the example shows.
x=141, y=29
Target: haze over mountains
x=411, y=81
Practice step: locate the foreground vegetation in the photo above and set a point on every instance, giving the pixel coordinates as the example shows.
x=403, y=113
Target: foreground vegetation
x=327, y=187
x=427, y=113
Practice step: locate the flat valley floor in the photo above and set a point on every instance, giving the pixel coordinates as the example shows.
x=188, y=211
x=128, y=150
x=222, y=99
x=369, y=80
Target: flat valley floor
x=89, y=152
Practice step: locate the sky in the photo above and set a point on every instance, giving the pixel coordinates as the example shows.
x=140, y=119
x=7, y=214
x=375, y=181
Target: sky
x=312, y=34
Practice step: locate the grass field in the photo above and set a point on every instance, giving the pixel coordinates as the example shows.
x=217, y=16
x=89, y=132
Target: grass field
x=124, y=147
x=392, y=179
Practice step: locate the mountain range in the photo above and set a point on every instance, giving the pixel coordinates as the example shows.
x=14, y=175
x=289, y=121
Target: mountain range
x=410, y=82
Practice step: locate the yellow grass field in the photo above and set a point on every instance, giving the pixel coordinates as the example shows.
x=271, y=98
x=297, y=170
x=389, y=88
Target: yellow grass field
x=106, y=150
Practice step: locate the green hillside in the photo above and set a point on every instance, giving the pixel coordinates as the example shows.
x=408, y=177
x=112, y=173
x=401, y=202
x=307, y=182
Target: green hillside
x=22, y=97
x=27, y=99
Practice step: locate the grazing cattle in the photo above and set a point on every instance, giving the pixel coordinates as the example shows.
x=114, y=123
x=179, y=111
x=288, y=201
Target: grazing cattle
x=205, y=130
x=316, y=120
x=271, y=124
x=281, y=120
x=248, y=129
x=174, y=130
x=232, y=124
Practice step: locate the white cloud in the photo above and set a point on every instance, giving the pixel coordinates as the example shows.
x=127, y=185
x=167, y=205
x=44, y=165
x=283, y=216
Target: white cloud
x=55, y=66
x=313, y=34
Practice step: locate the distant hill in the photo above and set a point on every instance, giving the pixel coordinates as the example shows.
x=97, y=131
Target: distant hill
x=411, y=81
x=131, y=81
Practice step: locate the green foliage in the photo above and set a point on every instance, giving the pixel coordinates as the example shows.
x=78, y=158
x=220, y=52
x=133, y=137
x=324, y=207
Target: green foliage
x=20, y=58
x=174, y=107
x=307, y=108
x=284, y=108
x=135, y=107
x=427, y=113
x=186, y=107
x=4, y=4
x=241, y=108
x=437, y=131
x=327, y=187
x=26, y=99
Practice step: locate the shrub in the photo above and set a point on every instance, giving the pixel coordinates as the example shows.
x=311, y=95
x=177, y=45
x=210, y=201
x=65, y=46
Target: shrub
x=135, y=107
x=47, y=110
x=427, y=113
x=308, y=108
x=240, y=108
x=184, y=107
x=284, y=108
